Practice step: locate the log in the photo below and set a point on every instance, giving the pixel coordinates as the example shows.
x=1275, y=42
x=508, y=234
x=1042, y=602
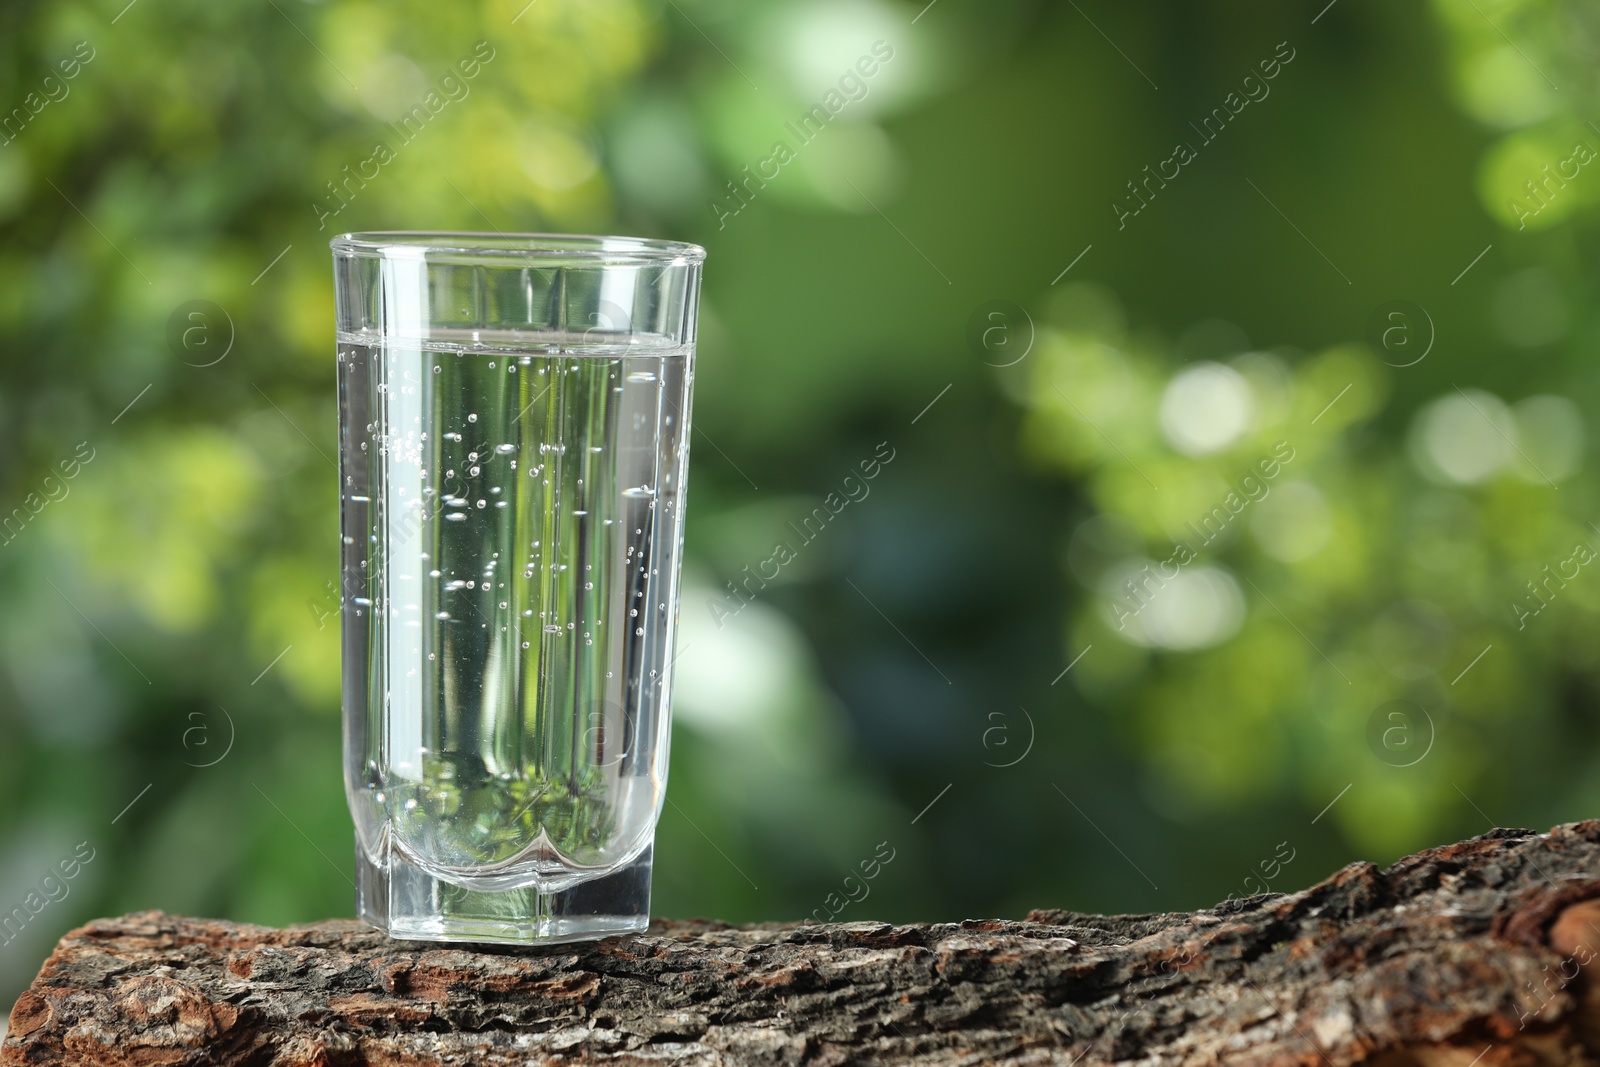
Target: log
x=1478, y=953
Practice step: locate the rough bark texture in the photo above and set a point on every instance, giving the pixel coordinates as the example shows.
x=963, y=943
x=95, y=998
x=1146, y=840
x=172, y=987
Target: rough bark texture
x=1476, y=953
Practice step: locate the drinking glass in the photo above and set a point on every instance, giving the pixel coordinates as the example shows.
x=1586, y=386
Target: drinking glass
x=514, y=436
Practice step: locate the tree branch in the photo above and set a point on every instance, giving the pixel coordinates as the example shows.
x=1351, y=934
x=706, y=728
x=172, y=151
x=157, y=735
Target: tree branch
x=1475, y=953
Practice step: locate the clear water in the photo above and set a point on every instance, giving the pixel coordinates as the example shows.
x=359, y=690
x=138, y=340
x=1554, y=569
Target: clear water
x=512, y=528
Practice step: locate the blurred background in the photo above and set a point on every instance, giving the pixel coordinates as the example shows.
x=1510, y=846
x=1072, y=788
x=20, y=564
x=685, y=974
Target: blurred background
x=1235, y=362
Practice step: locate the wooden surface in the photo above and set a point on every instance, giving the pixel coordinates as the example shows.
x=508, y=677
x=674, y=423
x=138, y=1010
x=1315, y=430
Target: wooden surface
x=1477, y=953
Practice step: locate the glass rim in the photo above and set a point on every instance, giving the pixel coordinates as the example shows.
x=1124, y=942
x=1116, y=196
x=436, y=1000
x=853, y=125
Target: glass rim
x=585, y=248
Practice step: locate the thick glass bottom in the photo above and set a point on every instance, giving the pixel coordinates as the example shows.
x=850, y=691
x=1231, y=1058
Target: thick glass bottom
x=405, y=902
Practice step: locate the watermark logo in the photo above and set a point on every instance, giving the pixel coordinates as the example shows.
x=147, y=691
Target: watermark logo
x=53, y=888
x=1140, y=589
x=1543, y=188
x=453, y=87
x=1400, y=733
x=52, y=90
x=1550, y=583
x=1401, y=333
x=853, y=87
x=200, y=333
x=856, y=883
x=603, y=740
x=606, y=320
x=755, y=577
x=52, y=490
x=197, y=739
x=1259, y=880
x=1144, y=187
x=997, y=738
x=1000, y=333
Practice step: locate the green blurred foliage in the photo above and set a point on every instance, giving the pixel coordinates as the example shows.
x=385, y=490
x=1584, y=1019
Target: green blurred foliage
x=169, y=659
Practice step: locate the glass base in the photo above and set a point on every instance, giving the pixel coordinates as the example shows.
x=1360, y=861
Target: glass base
x=405, y=902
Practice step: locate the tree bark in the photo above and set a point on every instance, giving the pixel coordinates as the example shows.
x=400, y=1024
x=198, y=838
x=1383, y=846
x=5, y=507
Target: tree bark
x=1477, y=953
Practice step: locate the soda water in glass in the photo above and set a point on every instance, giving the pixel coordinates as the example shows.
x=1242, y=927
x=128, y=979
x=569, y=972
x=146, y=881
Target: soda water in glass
x=514, y=435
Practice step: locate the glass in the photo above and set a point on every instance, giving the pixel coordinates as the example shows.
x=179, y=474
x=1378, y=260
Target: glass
x=513, y=441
